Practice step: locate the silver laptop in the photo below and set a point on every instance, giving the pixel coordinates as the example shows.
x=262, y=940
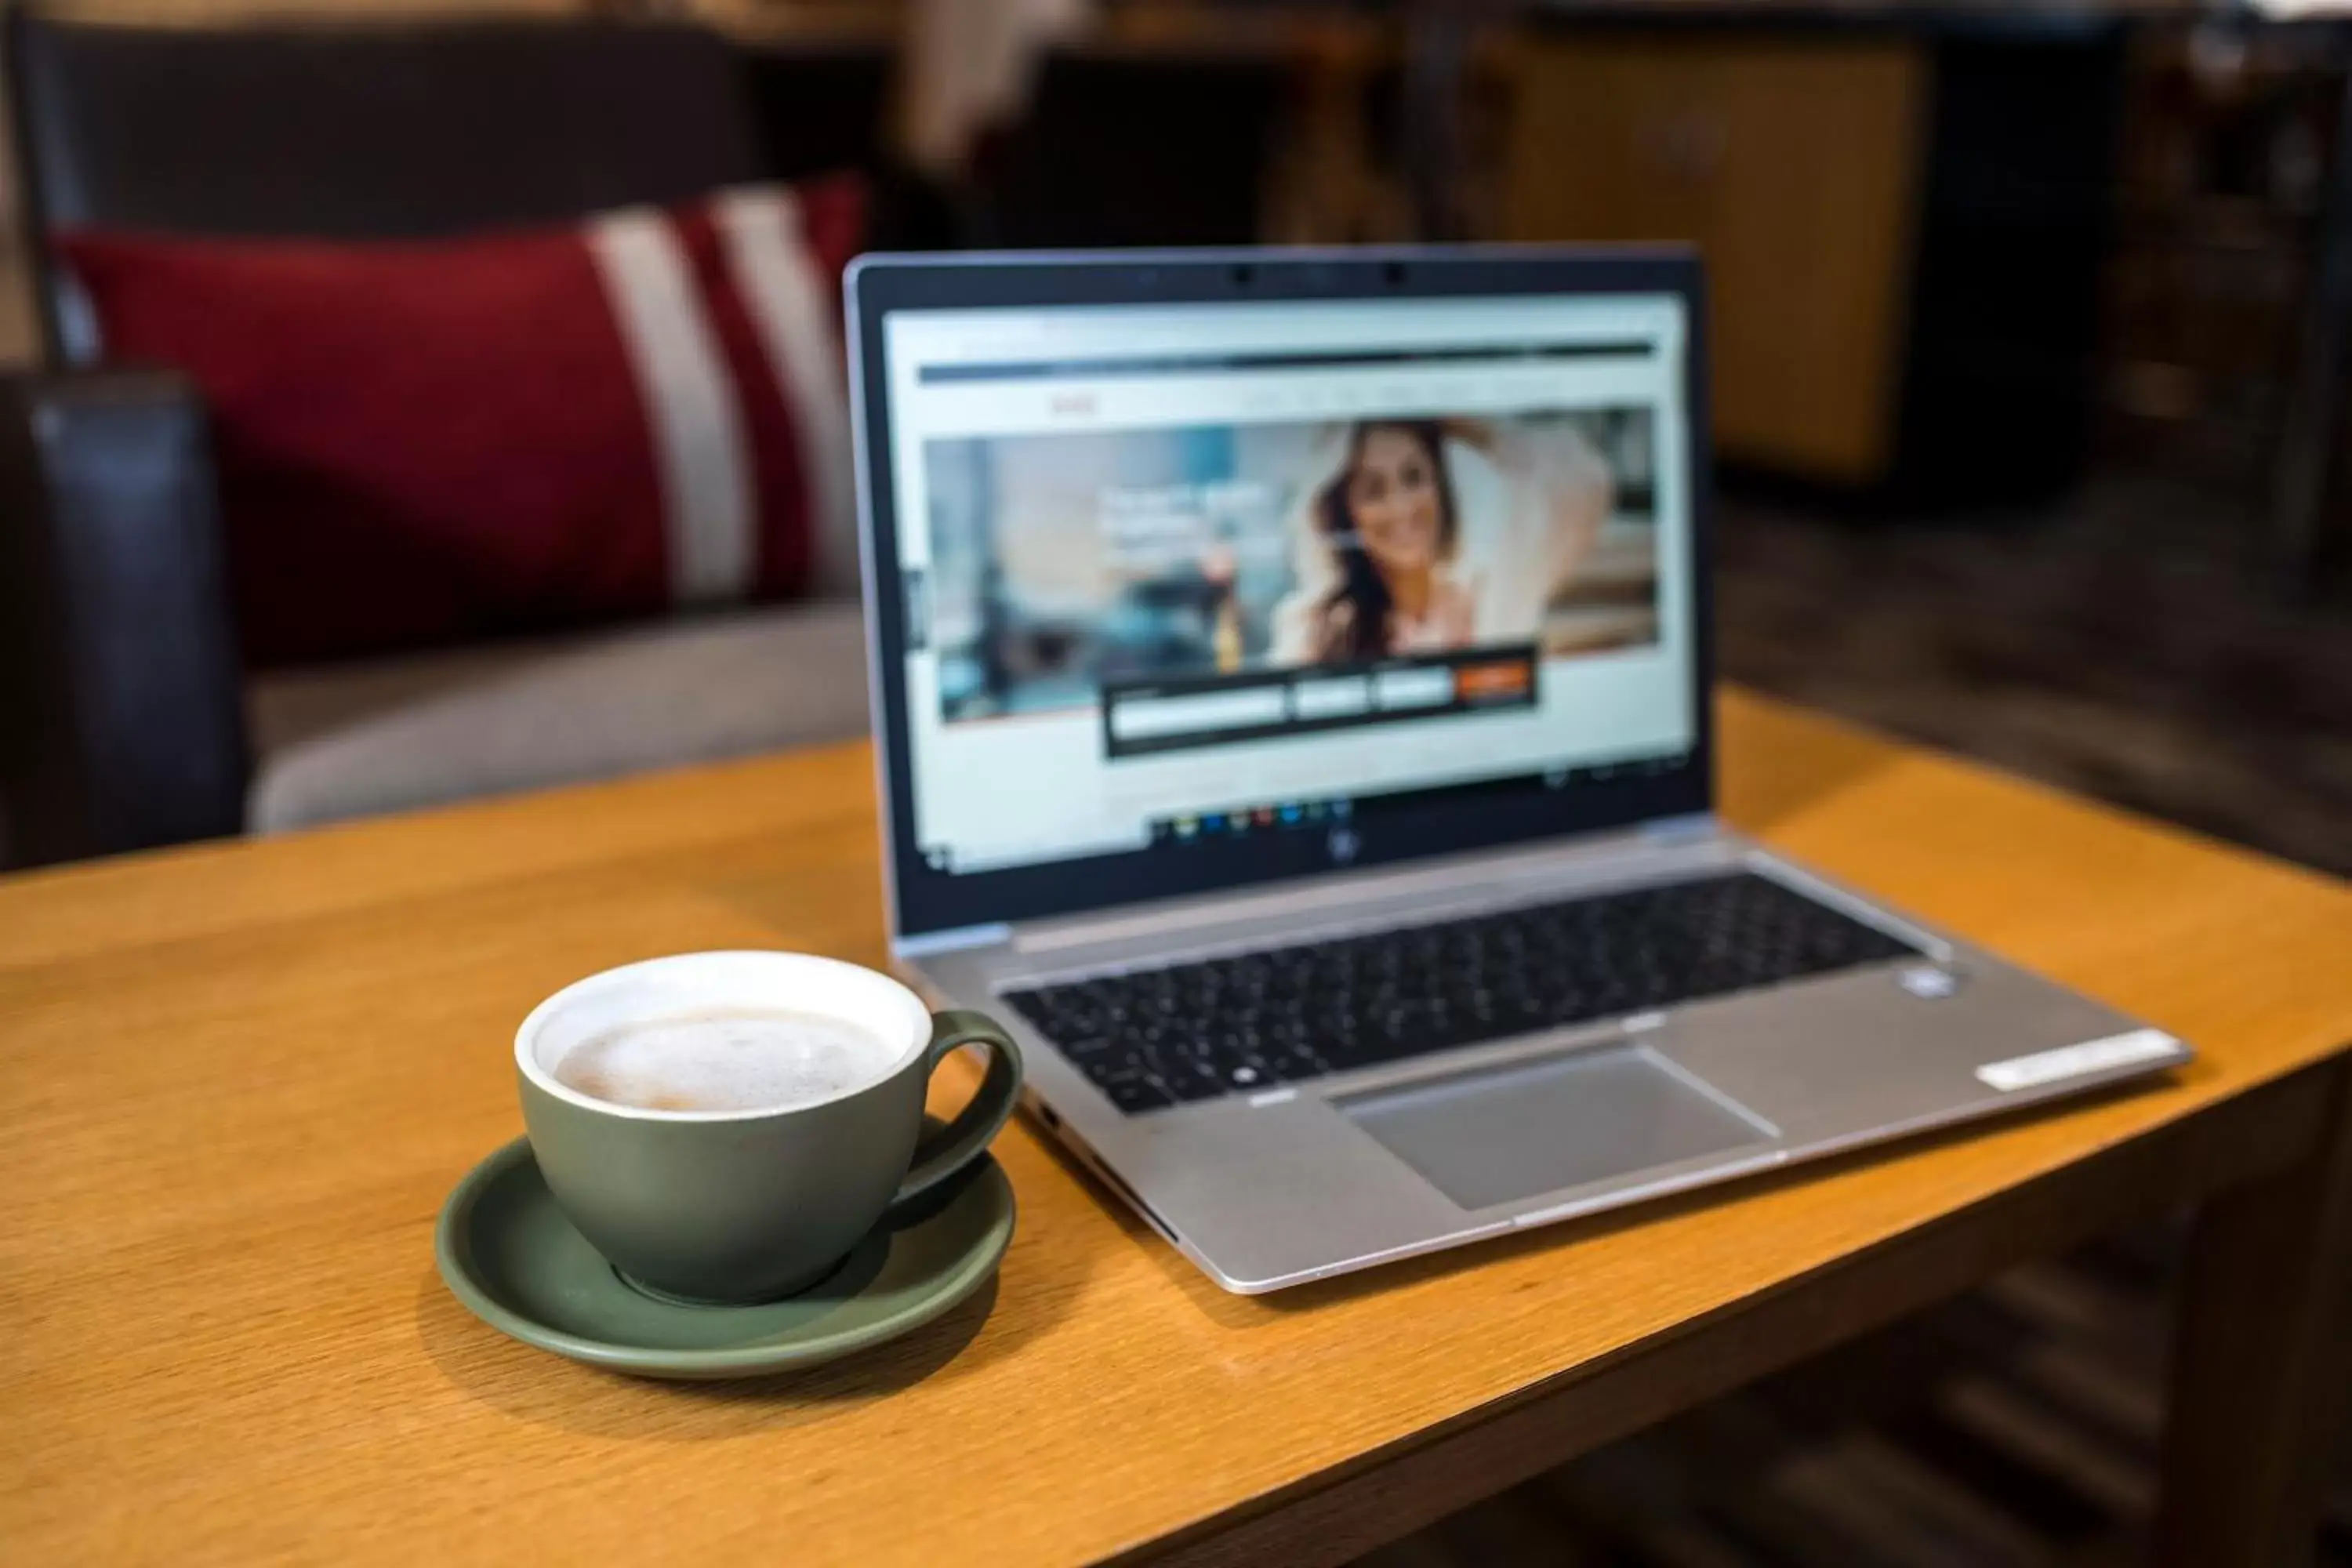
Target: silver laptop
x=1291, y=677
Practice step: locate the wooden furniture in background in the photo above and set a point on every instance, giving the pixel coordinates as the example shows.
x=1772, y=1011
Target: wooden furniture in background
x=1794, y=165
x=1904, y=214
x=241, y=1077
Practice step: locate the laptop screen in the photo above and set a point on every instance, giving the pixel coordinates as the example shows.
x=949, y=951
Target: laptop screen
x=1179, y=574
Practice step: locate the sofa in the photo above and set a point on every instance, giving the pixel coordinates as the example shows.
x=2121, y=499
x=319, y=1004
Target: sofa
x=127, y=716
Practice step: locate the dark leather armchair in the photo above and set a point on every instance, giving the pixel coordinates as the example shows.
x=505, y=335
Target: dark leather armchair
x=121, y=708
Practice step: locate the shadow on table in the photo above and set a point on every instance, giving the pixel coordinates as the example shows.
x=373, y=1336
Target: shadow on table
x=533, y=1386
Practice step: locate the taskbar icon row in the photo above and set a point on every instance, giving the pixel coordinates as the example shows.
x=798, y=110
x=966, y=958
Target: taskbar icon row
x=1276, y=817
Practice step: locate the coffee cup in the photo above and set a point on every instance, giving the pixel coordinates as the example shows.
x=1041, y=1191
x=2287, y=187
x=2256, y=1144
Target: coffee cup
x=726, y=1126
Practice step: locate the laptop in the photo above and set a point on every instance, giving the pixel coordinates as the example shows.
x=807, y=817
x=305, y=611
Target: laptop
x=1291, y=677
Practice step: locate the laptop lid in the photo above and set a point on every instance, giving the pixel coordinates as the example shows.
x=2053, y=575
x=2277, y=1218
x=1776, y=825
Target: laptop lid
x=1193, y=571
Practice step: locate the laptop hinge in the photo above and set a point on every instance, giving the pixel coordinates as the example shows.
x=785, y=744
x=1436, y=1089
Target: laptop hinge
x=954, y=940
x=1305, y=898
x=1683, y=829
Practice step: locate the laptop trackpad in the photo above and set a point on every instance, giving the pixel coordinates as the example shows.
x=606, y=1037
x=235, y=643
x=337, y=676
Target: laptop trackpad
x=1500, y=1134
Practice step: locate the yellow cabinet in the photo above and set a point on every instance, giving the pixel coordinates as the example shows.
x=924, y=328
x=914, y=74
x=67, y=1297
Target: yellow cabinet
x=1794, y=163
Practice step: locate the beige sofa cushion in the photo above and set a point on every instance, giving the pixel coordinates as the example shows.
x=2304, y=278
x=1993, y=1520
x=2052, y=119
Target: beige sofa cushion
x=417, y=731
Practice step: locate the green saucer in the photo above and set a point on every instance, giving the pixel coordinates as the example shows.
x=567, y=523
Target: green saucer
x=509, y=1254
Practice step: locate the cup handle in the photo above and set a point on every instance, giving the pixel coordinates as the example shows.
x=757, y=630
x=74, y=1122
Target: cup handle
x=964, y=1140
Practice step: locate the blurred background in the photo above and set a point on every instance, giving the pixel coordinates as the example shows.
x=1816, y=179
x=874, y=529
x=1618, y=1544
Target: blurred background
x=2030, y=330
x=2028, y=357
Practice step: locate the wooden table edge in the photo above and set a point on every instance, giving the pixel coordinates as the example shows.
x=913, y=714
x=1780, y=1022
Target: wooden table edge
x=2270, y=1131
x=2269, y=1136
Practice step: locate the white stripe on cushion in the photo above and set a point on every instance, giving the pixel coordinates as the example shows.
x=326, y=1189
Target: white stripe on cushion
x=698, y=429
x=769, y=258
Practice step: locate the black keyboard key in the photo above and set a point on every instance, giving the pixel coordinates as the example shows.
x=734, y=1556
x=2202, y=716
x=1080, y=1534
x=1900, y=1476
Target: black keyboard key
x=1243, y=1024
x=1189, y=1078
x=1133, y=1091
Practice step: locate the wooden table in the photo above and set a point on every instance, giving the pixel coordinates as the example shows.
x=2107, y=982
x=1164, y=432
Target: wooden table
x=240, y=1079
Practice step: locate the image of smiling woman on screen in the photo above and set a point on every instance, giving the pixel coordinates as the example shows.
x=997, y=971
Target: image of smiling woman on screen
x=1390, y=564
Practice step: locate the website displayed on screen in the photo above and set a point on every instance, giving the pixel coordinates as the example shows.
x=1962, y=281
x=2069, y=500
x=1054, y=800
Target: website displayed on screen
x=1188, y=570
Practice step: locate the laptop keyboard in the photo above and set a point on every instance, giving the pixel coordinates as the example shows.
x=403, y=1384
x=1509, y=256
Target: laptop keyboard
x=1246, y=1022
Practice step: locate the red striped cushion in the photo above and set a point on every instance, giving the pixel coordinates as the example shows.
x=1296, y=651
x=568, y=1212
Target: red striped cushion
x=439, y=441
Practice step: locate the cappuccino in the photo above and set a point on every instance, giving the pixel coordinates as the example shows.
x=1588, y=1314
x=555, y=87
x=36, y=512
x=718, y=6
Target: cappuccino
x=742, y=1059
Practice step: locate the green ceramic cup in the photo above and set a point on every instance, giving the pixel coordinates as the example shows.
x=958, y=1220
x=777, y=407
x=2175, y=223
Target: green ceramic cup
x=735, y=1206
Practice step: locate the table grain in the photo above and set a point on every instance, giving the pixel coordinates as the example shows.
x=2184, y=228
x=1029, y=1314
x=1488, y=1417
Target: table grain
x=240, y=1078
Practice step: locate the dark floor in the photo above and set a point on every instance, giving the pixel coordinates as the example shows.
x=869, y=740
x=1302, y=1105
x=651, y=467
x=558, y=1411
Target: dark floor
x=2015, y=1428
x=2126, y=643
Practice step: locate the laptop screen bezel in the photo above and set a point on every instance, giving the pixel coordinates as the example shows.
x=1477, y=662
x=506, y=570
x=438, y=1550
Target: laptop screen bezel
x=924, y=900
